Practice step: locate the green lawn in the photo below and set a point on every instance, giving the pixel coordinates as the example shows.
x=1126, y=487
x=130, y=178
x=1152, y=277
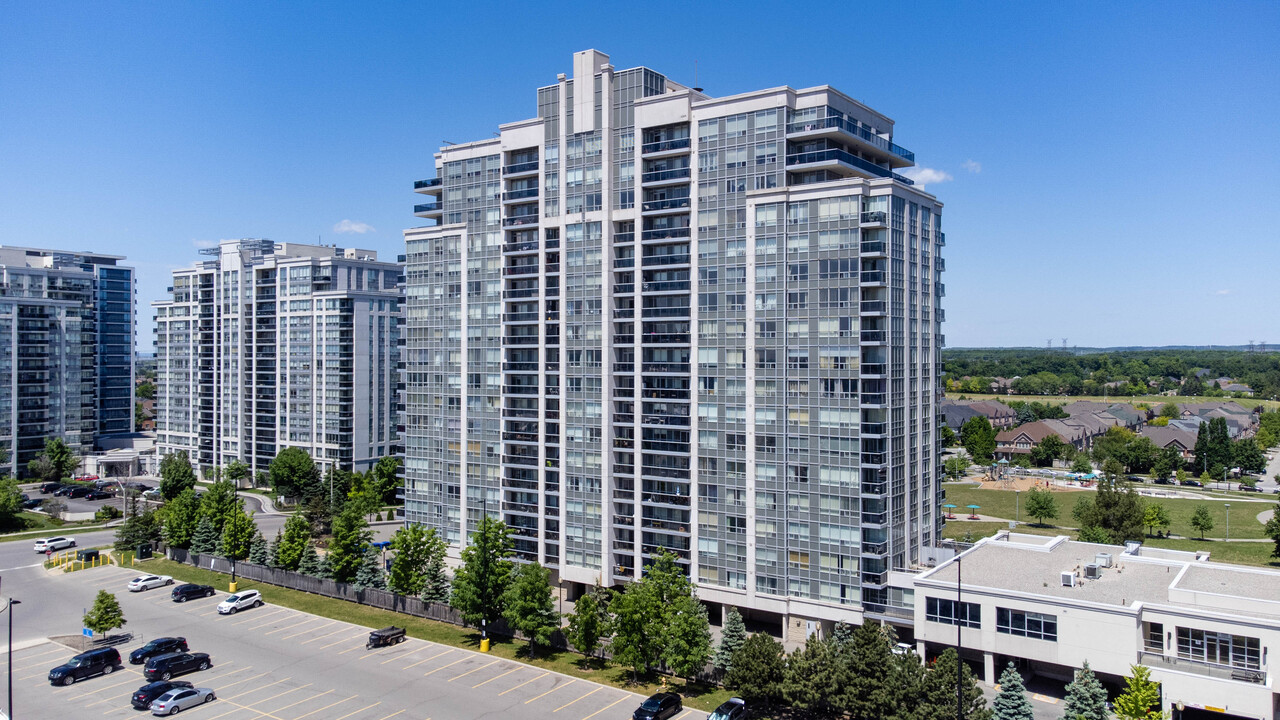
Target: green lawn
x=956, y=529
x=569, y=663
x=1137, y=400
x=1000, y=503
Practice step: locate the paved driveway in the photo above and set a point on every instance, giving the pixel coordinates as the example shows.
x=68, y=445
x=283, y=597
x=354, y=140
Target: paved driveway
x=281, y=664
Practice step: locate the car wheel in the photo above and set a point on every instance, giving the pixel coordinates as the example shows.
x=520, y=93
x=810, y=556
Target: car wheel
x=169, y=581
x=204, y=665
x=73, y=544
x=166, y=676
x=209, y=698
x=108, y=669
x=69, y=680
x=257, y=603
x=209, y=594
x=181, y=598
x=175, y=710
x=232, y=611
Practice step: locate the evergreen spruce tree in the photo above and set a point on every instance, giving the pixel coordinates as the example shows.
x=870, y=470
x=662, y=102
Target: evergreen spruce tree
x=310, y=562
x=759, y=669
x=866, y=689
x=842, y=635
x=273, y=560
x=205, y=540
x=324, y=570
x=938, y=691
x=435, y=575
x=1012, y=703
x=732, y=637
x=369, y=574
x=1086, y=698
x=258, y=549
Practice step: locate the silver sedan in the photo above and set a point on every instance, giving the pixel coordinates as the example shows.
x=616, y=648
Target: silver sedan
x=179, y=699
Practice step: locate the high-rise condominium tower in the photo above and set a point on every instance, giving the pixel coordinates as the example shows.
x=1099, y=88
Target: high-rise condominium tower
x=67, y=330
x=649, y=318
x=272, y=345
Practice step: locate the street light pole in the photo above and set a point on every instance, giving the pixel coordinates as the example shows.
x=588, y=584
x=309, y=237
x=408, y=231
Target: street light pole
x=1228, y=507
x=9, y=612
x=1017, y=505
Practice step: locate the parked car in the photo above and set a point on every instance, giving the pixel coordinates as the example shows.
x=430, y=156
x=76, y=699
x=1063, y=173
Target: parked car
x=1135, y=478
x=140, y=487
x=163, y=667
x=189, y=591
x=102, y=661
x=159, y=646
x=104, y=484
x=1192, y=483
x=731, y=709
x=143, y=696
x=79, y=491
x=98, y=495
x=54, y=543
x=147, y=582
x=1250, y=488
x=1163, y=481
x=32, y=503
x=240, y=601
x=659, y=706
x=50, y=487
x=154, y=494
x=64, y=490
x=181, y=699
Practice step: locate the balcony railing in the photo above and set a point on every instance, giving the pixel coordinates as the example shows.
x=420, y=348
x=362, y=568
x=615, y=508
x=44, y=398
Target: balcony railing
x=1223, y=672
x=427, y=207
x=873, y=277
x=424, y=184
x=520, y=194
x=523, y=167
x=661, y=175
x=878, y=217
x=664, y=145
x=668, y=204
x=873, y=248
x=855, y=130
x=665, y=260
x=848, y=158
x=519, y=220
x=665, y=233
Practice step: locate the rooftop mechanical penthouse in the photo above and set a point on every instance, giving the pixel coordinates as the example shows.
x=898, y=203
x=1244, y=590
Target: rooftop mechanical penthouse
x=649, y=318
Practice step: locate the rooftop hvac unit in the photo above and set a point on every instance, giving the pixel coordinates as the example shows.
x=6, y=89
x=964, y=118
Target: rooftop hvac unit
x=1092, y=571
x=1103, y=560
x=1068, y=579
x=1133, y=547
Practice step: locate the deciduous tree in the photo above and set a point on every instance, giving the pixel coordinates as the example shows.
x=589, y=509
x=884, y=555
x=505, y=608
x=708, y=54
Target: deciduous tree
x=105, y=615
x=176, y=475
x=294, y=474
x=1155, y=516
x=181, y=517
x=1202, y=520
x=1272, y=530
x=635, y=613
x=528, y=604
x=978, y=438
x=1141, y=697
x=295, y=538
x=481, y=582
x=10, y=504
x=1042, y=505
x=686, y=636
x=589, y=621
x=409, y=561
x=237, y=534
x=220, y=504
x=351, y=538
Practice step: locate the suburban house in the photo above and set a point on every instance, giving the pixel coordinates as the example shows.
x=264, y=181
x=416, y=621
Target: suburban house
x=1184, y=441
x=999, y=414
x=1020, y=440
x=955, y=414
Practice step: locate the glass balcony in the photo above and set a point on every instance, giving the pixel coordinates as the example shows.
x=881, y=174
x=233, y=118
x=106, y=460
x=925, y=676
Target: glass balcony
x=856, y=131
x=664, y=145
x=520, y=168
x=665, y=175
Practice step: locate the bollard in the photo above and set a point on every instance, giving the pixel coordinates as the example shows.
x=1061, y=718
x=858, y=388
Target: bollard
x=484, y=645
x=233, y=587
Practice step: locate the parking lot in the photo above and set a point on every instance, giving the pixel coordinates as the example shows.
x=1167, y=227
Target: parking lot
x=281, y=664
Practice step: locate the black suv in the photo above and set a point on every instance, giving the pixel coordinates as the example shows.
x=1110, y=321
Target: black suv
x=103, y=661
x=163, y=667
x=183, y=593
x=50, y=487
x=659, y=706
x=159, y=646
x=143, y=696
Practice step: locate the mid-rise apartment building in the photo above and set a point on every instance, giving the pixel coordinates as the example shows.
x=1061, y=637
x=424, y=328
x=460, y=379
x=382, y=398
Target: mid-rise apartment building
x=67, y=331
x=652, y=319
x=270, y=345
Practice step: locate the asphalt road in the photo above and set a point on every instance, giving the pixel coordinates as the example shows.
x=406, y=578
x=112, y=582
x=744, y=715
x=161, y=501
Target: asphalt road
x=281, y=664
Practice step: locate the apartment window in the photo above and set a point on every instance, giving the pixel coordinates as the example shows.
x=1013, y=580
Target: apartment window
x=950, y=612
x=1219, y=648
x=1027, y=624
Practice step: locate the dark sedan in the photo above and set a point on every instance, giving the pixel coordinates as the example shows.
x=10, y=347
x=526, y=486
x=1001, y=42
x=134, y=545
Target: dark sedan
x=98, y=495
x=32, y=504
x=186, y=592
x=50, y=487
x=159, y=646
x=163, y=667
x=659, y=706
x=143, y=696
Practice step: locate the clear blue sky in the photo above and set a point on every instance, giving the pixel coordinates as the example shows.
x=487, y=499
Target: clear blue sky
x=1111, y=169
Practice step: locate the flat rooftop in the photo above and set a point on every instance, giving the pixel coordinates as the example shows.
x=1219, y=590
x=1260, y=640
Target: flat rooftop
x=1034, y=565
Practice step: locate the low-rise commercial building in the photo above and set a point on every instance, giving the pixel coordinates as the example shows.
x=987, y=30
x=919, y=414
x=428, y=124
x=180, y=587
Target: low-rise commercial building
x=1049, y=604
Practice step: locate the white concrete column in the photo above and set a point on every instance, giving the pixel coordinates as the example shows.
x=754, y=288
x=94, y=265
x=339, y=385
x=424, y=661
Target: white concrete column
x=989, y=668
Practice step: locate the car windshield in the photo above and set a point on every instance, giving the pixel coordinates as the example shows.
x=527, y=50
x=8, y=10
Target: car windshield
x=77, y=662
x=651, y=705
x=233, y=598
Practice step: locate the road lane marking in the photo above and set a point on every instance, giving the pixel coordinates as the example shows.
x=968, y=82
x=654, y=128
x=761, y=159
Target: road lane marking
x=474, y=670
x=686, y=712
x=557, y=687
x=54, y=651
x=406, y=667
x=455, y=662
x=282, y=694
x=326, y=707
x=321, y=637
x=259, y=617
x=21, y=567
x=264, y=687
x=345, y=639
x=606, y=707
x=303, y=632
x=289, y=627
x=238, y=707
x=388, y=717
x=305, y=699
x=353, y=712
x=526, y=682
x=593, y=692
x=473, y=687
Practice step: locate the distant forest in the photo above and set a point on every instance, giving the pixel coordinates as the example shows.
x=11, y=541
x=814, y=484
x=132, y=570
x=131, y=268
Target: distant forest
x=1117, y=372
